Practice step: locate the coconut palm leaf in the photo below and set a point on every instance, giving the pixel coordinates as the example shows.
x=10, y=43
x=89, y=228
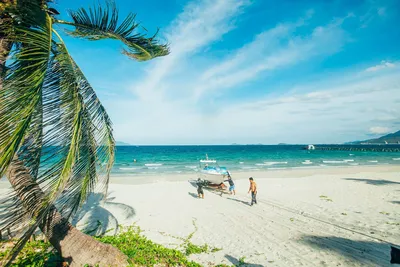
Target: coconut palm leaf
x=21, y=94
x=100, y=23
x=75, y=127
x=54, y=129
x=67, y=172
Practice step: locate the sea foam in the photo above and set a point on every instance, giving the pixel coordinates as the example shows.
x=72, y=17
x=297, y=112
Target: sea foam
x=153, y=164
x=270, y=163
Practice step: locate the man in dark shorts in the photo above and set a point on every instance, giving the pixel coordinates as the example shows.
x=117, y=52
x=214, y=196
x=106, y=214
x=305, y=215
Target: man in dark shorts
x=231, y=184
x=253, y=190
x=200, y=185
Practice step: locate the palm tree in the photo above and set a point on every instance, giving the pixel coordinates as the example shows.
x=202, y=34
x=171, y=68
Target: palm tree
x=56, y=142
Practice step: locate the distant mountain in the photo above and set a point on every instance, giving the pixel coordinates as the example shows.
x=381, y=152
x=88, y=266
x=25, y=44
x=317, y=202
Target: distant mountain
x=393, y=138
x=120, y=143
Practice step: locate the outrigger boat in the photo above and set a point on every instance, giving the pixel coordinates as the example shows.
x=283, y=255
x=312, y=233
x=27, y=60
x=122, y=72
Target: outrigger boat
x=211, y=172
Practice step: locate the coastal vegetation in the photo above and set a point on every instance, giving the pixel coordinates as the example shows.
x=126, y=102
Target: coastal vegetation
x=56, y=141
x=139, y=250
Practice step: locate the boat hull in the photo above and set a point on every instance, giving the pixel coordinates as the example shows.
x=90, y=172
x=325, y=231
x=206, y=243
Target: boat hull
x=213, y=178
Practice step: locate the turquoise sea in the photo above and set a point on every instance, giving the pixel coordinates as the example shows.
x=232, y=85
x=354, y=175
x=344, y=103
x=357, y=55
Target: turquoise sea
x=185, y=159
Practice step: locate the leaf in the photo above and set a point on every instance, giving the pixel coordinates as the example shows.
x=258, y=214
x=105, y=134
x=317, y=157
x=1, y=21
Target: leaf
x=98, y=23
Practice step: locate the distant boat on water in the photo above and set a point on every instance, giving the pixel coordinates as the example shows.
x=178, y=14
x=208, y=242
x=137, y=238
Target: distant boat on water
x=309, y=147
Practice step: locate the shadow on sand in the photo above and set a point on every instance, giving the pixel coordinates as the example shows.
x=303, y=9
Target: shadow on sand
x=214, y=190
x=237, y=262
x=395, y=202
x=193, y=195
x=240, y=201
x=372, y=182
x=97, y=217
x=368, y=253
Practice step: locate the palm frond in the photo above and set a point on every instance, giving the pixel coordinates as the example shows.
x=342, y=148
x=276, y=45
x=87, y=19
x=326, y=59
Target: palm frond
x=55, y=131
x=100, y=23
x=22, y=85
x=73, y=141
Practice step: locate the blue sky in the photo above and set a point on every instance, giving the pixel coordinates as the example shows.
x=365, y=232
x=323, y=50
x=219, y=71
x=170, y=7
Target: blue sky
x=251, y=71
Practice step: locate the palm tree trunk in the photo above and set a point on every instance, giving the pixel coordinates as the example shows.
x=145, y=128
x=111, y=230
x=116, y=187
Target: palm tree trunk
x=75, y=247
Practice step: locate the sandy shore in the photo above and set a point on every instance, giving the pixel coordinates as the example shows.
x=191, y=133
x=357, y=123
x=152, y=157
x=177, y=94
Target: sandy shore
x=304, y=217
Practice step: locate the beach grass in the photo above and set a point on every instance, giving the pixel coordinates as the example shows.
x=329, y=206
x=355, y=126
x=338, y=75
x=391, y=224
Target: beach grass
x=35, y=254
x=140, y=251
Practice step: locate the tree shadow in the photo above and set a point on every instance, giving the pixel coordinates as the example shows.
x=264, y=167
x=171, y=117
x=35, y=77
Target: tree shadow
x=97, y=217
x=237, y=262
x=368, y=253
x=395, y=202
x=372, y=182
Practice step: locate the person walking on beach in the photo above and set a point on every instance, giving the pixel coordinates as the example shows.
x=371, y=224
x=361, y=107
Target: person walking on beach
x=253, y=190
x=231, y=184
x=200, y=185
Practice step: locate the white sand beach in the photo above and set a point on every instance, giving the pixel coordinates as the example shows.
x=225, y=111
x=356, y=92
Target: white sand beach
x=304, y=217
x=342, y=216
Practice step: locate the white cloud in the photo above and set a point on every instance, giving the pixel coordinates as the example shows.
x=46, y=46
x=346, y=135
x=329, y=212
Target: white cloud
x=381, y=11
x=273, y=49
x=200, y=24
x=383, y=65
x=263, y=42
x=379, y=130
x=337, y=112
x=170, y=109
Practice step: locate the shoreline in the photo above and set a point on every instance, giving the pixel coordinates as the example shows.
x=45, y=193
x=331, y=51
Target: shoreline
x=295, y=172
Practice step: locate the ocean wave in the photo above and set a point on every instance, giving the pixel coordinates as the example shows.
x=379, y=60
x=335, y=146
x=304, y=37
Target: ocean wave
x=307, y=162
x=241, y=162
x=337, y=161
x=351, y=154
x=191, y=167
x=353, y=164
x=373, y=161
x=128, y=168
x=269, y=163
x=395, y=158
x=276, y=168
x=153, y=164
x=304, y=167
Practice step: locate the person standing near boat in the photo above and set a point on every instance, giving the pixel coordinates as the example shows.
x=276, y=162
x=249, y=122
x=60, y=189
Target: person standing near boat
x=231, y=184
x=200, y=185
x=253, y=190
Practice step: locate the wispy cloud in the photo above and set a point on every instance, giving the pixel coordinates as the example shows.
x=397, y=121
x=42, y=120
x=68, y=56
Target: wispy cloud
x=381, y=11
x=379, y=130
x=199, y=25
x=262, y=42
x=276, y=48
x=170, y=104
x=381, y=66
x=335, y=112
